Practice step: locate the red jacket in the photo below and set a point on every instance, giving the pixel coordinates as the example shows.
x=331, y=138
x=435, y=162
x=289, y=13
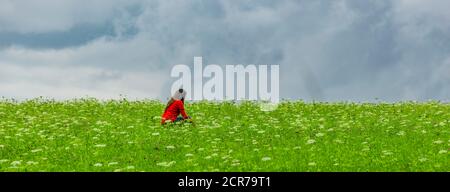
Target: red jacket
x=172, y=112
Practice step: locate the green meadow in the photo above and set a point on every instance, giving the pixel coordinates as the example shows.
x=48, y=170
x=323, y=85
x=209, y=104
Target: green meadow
x=126, y=136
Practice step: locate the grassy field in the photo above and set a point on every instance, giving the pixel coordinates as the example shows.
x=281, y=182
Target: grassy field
x=89, y=135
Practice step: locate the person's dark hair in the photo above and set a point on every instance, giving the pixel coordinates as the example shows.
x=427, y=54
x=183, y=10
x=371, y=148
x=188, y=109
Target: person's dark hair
x=181, y=91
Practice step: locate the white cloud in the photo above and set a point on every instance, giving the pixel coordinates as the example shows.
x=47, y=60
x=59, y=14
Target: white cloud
x=418, y=19
x=40, y=16
x=63, y=82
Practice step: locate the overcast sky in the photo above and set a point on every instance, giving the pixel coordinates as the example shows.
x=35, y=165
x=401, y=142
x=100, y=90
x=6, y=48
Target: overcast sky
x=340, y=50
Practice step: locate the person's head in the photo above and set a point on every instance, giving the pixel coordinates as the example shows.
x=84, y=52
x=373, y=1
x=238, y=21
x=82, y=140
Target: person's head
x=180, y=94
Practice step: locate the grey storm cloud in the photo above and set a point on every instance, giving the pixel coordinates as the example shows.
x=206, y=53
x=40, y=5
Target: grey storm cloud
x=327, y=50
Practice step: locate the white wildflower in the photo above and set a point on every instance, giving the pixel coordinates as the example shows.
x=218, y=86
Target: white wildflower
x=36, y=150
x=32, y=163
x=112, y=163
x=166, y=164
x=170, y=147
x=423, y=159
x=15, y=163
x=3, y=161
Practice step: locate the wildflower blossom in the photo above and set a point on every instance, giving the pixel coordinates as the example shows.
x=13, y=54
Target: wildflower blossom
x=112, y=163
x=15, y=163
x=36, y=150
x=166, y=164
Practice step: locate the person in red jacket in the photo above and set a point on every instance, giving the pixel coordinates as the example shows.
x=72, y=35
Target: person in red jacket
x=174, y=108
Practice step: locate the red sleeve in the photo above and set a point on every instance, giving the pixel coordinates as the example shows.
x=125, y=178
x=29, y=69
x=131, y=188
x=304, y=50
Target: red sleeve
x=182, y=111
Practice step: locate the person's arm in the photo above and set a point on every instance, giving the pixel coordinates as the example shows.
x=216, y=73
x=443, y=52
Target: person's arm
x=182, y=111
